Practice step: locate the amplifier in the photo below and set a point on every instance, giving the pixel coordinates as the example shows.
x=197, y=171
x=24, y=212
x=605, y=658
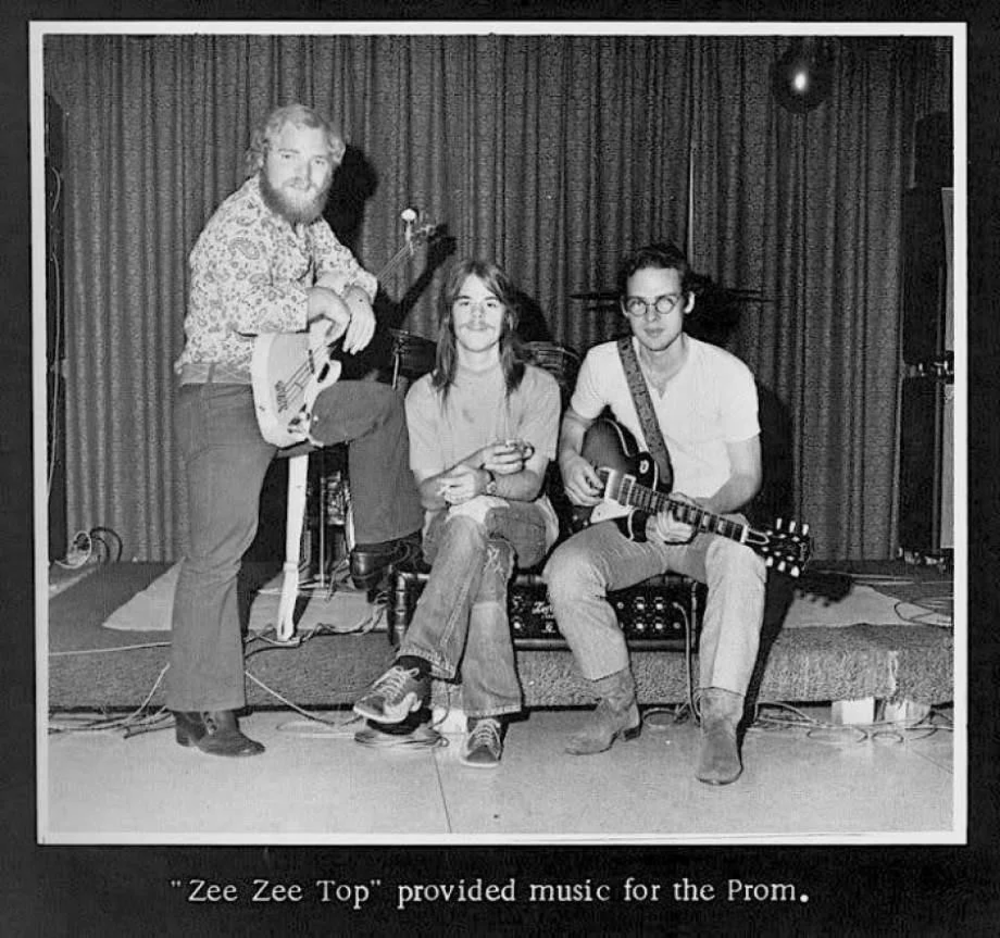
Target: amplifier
x=658, y=614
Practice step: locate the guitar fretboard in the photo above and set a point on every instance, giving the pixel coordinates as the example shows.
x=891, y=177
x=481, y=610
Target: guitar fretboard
x=626, y=490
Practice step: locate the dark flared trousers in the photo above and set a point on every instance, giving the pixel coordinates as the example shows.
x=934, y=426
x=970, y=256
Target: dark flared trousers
x=225, y=460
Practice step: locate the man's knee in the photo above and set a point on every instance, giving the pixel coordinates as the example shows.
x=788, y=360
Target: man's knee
x=569, y=574
x=497, y=569
x=730, y=558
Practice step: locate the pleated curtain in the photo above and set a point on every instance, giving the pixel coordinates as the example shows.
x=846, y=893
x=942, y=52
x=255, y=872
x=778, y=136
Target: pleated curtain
x=550, y=154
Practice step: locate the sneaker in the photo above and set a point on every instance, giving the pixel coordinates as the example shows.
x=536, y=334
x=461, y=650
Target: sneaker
x=484, y=744
x=394, y=695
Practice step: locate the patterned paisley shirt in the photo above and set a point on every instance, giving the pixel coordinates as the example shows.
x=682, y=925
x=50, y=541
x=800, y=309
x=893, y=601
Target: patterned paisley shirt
x=250, y=273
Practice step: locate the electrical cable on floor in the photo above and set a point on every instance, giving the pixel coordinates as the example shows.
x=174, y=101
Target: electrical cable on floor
x=113, y=648
x=937, y=608
x=99, y=544
x=681, y=712
x=133, y=723
x=897, y=731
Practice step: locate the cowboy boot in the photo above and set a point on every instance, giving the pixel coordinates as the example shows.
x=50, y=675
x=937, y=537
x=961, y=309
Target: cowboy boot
x=719, y=759
x=617, y=714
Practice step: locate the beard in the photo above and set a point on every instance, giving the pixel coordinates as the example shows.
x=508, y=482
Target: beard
x=297, y=206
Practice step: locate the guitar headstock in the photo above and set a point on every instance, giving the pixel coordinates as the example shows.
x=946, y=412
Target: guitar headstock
x=787, y=547
x=417, y=228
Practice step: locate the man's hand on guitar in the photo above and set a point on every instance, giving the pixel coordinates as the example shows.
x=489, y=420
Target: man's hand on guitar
x=362, y=326
x=663, y=526
x=329, y=317
x=581, y=482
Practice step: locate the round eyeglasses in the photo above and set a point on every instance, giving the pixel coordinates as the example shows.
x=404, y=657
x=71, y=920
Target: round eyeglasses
x=637, y=307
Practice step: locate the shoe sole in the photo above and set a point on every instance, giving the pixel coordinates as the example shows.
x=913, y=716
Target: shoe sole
x=479, y=765
x=397, y=714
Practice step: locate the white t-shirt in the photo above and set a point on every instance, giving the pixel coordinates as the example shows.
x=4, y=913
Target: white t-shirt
x=710, y=402
x=477, y=413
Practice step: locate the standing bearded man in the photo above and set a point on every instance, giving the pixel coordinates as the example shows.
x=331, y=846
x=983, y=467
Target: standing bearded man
x=267, y=262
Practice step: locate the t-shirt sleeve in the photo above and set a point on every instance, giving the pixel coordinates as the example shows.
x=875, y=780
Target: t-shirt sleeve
x=739, y=417
x=422, y=421
x=588, y=400
x=539, y=423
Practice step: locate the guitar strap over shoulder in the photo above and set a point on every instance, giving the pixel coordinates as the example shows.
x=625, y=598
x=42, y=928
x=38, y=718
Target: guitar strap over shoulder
x=644, y=408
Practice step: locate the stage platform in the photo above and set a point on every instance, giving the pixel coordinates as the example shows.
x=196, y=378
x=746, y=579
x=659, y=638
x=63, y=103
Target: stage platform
x=98, y=668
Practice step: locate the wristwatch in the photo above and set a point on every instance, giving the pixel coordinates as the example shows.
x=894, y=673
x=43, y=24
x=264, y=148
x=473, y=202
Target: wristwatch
x=491, y=484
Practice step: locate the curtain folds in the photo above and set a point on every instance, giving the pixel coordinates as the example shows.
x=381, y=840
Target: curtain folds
x=550, y=154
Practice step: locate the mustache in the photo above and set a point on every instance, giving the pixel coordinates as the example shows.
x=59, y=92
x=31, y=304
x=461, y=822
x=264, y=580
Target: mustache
x=293, y=209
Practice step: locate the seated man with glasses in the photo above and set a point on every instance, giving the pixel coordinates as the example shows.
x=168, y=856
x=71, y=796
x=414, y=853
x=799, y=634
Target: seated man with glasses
x=704, y=401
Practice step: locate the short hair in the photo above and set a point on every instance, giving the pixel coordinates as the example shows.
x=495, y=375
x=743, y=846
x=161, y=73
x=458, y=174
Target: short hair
x=299, y=116
x=660, y=256
x=512, y=356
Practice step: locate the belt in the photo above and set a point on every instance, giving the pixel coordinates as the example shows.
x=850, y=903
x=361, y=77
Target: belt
x=214, y=373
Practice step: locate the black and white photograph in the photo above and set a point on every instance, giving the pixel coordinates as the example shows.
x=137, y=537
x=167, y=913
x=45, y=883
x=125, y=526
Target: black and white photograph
x=513, y=434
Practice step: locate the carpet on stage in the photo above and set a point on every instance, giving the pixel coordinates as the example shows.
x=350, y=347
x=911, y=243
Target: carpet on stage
x=875, y=630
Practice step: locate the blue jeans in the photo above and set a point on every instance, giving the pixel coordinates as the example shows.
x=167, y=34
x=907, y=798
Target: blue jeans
x=225, y=461
x=600, y=558
x=461, y=617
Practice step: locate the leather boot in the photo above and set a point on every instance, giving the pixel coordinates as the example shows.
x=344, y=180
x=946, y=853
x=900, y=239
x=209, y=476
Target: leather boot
x=617, y=714
x=719, y=758
x=216, y=732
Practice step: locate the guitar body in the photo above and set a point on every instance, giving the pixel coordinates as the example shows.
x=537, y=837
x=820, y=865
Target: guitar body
x=288, y=371
x=611, y=445
x=633, y=491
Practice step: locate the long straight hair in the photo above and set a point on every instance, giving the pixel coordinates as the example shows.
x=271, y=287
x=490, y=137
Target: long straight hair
x=512, y=355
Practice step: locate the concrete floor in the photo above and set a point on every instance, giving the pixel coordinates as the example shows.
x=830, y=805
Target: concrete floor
x=315, y=784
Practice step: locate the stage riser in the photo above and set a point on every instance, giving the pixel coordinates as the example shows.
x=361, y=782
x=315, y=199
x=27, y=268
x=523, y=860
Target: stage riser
x=811, y=664
x=800, y=664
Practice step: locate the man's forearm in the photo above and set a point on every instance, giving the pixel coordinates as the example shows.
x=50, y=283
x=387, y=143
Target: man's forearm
x=571, y=435
x=732, y=496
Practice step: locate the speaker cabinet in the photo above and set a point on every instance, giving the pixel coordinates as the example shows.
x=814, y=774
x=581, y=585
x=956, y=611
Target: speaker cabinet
x=926, y=489
x=927, y=286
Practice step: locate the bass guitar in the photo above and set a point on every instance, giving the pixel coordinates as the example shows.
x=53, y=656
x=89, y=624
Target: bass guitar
x=631, y=494
x=288, y=370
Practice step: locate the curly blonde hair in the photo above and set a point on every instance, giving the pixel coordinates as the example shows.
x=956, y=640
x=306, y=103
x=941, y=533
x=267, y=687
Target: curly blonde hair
x=299, y=116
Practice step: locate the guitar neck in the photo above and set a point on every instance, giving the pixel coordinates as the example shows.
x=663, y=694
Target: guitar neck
x=629, y=492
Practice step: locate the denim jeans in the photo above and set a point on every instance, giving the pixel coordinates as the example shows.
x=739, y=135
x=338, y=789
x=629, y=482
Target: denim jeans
x=225, y=461
x=460, y=621
x=600, y=558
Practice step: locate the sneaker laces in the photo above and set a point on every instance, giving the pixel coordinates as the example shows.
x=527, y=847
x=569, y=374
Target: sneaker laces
x=392, y=684
x=486, y=733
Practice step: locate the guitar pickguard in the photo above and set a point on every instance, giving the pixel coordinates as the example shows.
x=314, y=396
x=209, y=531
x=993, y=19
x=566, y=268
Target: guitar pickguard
x=609, y=444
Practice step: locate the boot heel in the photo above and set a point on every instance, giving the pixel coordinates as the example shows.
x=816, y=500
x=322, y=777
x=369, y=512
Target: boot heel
x=186, y=731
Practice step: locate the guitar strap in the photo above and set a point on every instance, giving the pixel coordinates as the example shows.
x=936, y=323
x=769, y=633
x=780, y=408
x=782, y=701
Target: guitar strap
x=644, y=408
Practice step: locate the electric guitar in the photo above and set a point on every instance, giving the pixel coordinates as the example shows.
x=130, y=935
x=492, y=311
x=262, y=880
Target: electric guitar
x=289, y=370
x=631, y=495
